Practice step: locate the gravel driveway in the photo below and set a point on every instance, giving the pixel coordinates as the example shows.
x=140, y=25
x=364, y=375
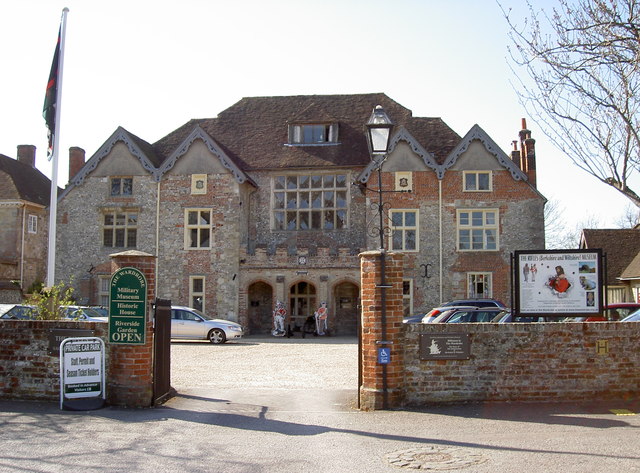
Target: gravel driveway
x=262, y=362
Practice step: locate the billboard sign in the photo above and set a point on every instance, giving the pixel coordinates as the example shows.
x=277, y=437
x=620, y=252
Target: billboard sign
x=558, y=282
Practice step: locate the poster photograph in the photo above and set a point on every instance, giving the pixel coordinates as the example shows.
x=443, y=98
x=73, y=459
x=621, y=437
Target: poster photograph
x=558, y=282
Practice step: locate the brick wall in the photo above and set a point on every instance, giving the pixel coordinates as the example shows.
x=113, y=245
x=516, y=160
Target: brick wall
x=27, y=370
x=531, y=362
x=527, y=362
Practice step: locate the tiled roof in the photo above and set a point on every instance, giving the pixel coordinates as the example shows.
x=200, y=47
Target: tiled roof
x=254, y=131
x=147, y=149
x=620, y=245
x=23, y=182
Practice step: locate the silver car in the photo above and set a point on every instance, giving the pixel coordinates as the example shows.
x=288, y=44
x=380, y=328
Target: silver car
x=87, y=314
x=189, y=323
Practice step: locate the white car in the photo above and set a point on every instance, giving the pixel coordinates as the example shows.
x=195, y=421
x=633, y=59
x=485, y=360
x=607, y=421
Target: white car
x=189, y=323
x=634, y=317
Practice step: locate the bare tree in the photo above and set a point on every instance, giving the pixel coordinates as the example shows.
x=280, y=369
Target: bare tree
x=578, y=71
x=555, y=228
x=629, y=218
x=558, y=235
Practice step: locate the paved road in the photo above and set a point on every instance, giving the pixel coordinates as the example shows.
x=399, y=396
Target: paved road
x=240, y=410
x=314, y=373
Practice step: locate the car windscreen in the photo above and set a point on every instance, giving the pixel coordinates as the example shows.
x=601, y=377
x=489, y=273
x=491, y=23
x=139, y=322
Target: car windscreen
x=202, y=314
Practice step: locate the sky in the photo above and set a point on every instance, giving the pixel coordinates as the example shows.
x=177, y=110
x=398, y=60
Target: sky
x=151, y=66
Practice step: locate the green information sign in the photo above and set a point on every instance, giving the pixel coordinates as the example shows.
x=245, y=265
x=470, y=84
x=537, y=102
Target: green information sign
x=128, y=307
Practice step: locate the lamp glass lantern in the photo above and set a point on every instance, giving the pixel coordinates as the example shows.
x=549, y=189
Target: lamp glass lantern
x=379, y=131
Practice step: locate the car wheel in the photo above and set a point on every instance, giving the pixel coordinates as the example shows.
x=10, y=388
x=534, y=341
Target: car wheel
x=217, y=336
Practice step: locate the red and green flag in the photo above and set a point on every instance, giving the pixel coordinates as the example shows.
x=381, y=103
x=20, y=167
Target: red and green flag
x=51, y=96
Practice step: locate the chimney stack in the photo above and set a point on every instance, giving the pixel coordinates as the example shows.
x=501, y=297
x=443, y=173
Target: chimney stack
x=528, y=153
x=27, y=155
x=76, y=161
x=515, y=153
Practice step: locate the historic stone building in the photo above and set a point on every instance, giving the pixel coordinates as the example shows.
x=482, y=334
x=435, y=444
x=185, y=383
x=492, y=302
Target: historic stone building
x=24, y=202
x=272, y=200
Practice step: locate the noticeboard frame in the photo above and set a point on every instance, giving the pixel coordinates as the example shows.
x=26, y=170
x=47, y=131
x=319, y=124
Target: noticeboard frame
x=558, y=283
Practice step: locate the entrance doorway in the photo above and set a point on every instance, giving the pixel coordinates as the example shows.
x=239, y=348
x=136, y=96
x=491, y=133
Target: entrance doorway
x=345, y=307
x=302, y=304
x=260, y=308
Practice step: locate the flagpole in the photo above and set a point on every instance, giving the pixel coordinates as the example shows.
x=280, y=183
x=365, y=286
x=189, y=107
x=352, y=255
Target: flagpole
x=53, y=207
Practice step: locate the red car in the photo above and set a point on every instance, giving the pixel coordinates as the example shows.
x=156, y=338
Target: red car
x=611, y=313
x=620, y=310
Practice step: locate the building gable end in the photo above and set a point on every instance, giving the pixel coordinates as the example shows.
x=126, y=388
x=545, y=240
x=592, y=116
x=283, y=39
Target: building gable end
x=199, y=134
x=120, y=135
x=402, y=135
x=477, y=133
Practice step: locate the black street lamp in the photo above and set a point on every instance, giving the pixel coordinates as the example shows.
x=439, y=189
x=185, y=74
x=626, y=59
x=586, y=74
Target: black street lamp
x=379, y=129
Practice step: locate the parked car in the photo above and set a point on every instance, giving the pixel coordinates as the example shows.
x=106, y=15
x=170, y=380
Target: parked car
x=620, y=310
x=479, y=302
x=435, y=312
x=88, y=314
x=476, y=314
x=507, y=318
x=413, y=319
x=18, y=311
x=612, y=313
x=189, y=323
x=634, y=317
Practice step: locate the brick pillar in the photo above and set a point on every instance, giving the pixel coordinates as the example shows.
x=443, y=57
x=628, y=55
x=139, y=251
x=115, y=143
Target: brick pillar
x=130, y=373
x=374, y=337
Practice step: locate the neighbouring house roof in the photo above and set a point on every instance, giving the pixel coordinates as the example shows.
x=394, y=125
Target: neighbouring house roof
x=620, y=245
x=20, y=181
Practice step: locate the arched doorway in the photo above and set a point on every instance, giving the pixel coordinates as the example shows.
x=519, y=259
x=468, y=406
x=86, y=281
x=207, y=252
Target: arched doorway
x=302, y=304
x=260, y=307
x=345, y=308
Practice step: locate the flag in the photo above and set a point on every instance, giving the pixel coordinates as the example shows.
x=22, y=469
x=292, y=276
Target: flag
x=51, y=97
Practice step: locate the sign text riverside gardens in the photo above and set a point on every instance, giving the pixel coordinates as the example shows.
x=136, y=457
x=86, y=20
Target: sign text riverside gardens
x=128, y=307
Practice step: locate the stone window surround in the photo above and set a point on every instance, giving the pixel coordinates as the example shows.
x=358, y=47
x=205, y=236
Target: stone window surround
x=197, y=292
x=121, y=186
x=471, y=181
x=310, y=217
x=32, y=223
x=201, y=231
x=404, y=230
x=475, y=279
x=129, y=224
x=466, y=222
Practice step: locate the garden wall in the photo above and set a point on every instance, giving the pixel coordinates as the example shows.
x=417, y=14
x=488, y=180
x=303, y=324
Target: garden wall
x=29, y=371
x=526, y=362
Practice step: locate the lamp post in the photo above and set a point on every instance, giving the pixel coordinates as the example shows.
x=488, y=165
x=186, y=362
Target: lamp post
x=379, y=129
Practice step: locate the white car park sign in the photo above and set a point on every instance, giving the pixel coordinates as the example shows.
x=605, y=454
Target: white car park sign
x=82, y=373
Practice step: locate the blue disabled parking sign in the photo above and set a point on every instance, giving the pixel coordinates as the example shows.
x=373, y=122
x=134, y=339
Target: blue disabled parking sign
x=384, y=356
